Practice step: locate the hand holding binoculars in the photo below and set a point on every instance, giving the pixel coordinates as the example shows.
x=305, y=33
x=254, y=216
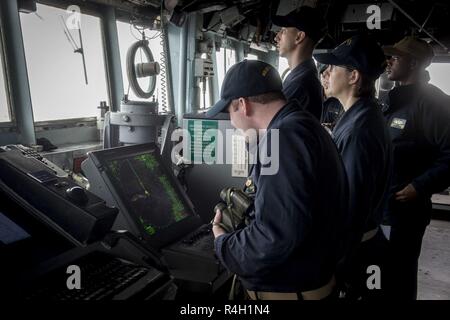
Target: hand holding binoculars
x=235, y=208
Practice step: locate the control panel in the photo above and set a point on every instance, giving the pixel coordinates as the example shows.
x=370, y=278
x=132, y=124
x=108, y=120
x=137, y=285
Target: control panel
x=58, y=201
x=33, y=154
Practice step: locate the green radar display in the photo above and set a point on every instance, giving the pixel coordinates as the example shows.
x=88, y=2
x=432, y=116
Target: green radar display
x=151, y=196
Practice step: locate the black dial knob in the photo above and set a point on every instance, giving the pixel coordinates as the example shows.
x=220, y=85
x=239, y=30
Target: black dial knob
x=77, y=195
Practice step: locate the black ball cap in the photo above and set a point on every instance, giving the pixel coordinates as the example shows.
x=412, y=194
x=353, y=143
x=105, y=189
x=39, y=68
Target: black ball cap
x=248, y=78
x=307, y=19
x=360, y=52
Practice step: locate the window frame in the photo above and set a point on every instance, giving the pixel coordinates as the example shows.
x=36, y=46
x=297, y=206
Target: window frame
x=82, y=125
x=41, y=126
x=229, y=45
x=86, y=9
x=9, y=125
x=126, y=19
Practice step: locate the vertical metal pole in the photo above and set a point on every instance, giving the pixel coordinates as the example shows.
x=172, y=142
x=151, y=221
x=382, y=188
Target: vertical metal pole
x=112, y=58
x=239, y=52
x=181, y=104
x=82, y=54
x=113, y=68
x=191, y=40
x=215, y=92
x=16, y=72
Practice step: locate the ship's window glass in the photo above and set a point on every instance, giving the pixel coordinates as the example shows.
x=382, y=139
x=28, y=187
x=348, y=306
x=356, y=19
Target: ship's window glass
x=56, y=73
x=283, y=67
x=4, y=109
x=205, y=93
x=225, y=58
x=439, y=76
x=128, y=35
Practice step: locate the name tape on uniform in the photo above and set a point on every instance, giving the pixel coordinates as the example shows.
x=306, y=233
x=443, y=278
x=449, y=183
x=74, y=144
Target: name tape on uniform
x=398, y=123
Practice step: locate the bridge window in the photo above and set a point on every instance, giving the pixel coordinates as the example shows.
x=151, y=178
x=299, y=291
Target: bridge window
x=283, y=67
x=205, y=92
x=4, y=109
x=56, y=73
x=439, y=76
x=129, y=34
x=225, y=58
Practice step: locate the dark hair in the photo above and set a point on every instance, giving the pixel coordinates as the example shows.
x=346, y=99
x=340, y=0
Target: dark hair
x=267, y=97
x=366, y=86
x=424, y=76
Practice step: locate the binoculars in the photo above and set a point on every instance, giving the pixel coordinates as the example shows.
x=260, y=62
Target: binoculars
x=235, y=208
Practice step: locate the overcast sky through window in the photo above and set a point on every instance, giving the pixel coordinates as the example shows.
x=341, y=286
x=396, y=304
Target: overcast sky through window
x=57, y=83
x=4, y=114
x=56, y=75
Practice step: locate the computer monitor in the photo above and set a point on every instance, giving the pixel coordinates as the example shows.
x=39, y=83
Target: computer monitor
x=25, y=240
x=10, y=232
x=149, y=197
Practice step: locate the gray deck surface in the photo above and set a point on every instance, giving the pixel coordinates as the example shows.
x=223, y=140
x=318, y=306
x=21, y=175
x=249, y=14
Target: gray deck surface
x=434, y=262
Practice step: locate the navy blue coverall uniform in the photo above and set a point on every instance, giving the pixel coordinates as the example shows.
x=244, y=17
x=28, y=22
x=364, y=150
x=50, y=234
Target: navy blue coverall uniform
x=291, y=242
x=303, y=84
x=365, y=147
x=418, y=118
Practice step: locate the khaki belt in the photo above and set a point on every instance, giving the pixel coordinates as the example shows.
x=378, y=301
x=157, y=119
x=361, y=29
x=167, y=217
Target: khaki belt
x=369, y=235
x=317, y=294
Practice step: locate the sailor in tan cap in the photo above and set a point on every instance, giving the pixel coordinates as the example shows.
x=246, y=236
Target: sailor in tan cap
x=417, y=116
x=408, y=59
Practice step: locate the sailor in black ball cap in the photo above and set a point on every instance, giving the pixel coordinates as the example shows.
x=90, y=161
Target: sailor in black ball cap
x=300, y=32
x=332, y=108
x=288, y=249
x=365, y=147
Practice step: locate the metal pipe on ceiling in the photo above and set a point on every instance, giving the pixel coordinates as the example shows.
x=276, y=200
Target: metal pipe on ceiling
x=418, y=25
x=129, y=3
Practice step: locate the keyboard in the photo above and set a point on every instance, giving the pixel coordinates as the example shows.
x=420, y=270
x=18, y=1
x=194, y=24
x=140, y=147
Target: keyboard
x=192, y=260
x=102, y=277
